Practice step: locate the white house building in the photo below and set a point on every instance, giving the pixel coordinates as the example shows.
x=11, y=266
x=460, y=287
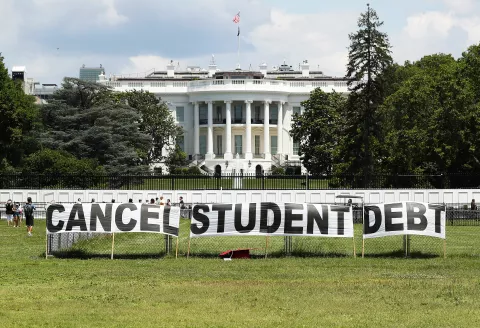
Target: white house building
x=234, y=121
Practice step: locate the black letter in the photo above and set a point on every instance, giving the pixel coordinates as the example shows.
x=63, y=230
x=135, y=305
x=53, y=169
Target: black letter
x=320, y=220
x=105, y=220
x=166, y=222
x=145, y=215
x=411, y=215
x=340, y=217
x=50, y=226
x=81, y=219
x=290, y=217
x=252, y=209
x=118, y=217
x=367, y=229
x=438, y=223
x=200, y=217
x=221, y=208
x=389, y=215
x=277, y=217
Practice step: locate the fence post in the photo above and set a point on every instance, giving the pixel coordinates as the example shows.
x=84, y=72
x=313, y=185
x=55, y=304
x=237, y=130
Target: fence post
x=173, y=182
x=307, y=187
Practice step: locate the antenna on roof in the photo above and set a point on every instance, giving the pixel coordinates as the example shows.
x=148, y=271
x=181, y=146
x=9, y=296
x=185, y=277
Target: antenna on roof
x=250, y=68
x=212, y=62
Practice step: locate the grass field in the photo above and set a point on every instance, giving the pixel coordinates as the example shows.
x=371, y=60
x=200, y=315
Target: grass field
x=208, y=292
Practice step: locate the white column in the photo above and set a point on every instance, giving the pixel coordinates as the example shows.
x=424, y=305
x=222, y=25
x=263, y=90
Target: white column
x=228, y=131
x=209, y=154
x=280, y=128
x=248, y=134
x=266, y=130
x=196, y=128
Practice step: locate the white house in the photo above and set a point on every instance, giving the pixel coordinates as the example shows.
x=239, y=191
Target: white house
x=238, y=120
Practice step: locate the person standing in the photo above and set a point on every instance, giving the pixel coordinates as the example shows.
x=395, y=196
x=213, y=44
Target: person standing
x=161, y=201
x=9, y=212
x=28, y=211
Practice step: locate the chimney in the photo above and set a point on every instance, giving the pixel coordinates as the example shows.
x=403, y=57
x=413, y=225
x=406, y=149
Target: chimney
x=305, y=68
x=171, y=69
x=263, y=69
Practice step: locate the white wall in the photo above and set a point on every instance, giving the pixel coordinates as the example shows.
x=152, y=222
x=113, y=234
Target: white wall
x=238, y=196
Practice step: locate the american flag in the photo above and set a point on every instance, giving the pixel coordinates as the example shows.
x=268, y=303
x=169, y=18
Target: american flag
x=236, y=19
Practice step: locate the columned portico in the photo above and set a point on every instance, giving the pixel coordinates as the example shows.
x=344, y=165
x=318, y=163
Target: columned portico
x=280, y=127
x=196, y=128
x=266, y=130
x=209, y=154
x=228, y=130
x=248, y=134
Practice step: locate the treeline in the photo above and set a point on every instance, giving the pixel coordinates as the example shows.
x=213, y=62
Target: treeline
x=86, y=128
x=417, y=118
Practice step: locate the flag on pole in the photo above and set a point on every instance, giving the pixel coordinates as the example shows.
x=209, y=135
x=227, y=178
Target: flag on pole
x=238, y=34
x=236, y=19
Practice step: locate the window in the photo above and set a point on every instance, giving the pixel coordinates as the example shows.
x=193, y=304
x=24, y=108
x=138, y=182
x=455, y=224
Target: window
x=219, y=145
x=237, y=114
x=238, y=144
x=273, y=144
x=257, y=145
x=203, y=144
x=180, y=114
x=296, y=147
x=203, y=115
x=218, y=114
x=256, y=114
x=296, y=110
x=181, y=142
x=273, y=114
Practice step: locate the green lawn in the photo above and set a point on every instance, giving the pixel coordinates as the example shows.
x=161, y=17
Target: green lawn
x=206, y=292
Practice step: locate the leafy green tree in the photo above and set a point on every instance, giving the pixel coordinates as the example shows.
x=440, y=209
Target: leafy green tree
x=428, y=121
x=177, y=158
x=48, y=161
x=369, y=57
x=18, y=116
x=318, y=130
x=156, y=121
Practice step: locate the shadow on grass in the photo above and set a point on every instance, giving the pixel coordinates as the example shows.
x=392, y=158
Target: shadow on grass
x=401, y=254
x=80, y=254
x=280, y=254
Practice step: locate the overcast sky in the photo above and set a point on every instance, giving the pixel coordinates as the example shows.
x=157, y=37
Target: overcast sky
x=53, y=38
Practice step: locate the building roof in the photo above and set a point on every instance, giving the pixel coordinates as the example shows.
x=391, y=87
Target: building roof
x=19, y=69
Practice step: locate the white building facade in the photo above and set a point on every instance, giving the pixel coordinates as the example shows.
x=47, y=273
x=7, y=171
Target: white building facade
x=234, y=121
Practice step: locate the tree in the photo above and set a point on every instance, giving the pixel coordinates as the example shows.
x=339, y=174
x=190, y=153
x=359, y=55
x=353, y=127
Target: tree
x=87, y=121
x=48, y=161
x=318, y=130
x=18, y=115
x=176, y=159
x=428, y=121
x=369, y=57
x=157, y=122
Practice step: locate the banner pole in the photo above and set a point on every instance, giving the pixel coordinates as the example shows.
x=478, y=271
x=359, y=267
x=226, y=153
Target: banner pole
x=363, y=248
x=444, y=248
x=188, y=251
x=113, y=244
x=354, y=249
x=46, y=244
x=266, y=246
x=176, y=249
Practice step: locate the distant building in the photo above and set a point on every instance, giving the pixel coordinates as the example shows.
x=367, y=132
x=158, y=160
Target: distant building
x=42, y=91
x=91, y=73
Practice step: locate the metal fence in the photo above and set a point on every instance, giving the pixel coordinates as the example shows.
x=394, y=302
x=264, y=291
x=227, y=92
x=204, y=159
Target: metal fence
x=242, y=182
x=463, y=229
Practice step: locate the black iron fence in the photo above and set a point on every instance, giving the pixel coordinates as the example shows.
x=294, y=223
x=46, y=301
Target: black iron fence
x=243, y=182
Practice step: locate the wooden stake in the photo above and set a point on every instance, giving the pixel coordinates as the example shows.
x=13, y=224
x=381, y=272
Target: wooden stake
x=444, y=248
x=266, y=246
x=354, y=248
x=176, y=249
x=46, y=244
x=188, y=251
x=363, y=248
x=113, y=245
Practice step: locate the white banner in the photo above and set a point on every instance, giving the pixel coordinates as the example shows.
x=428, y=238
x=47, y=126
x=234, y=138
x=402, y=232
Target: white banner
x=115, y=217
x=404, y=218
x=273, y=219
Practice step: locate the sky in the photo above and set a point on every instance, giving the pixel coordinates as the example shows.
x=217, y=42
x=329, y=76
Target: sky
x=54, y=38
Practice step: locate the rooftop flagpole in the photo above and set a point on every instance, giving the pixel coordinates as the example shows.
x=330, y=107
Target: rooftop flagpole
x=236, y=20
